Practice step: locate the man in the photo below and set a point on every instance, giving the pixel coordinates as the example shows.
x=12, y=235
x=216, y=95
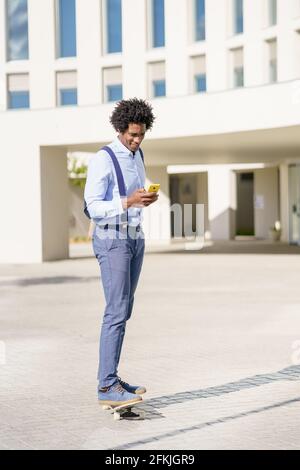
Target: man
x=118, y=239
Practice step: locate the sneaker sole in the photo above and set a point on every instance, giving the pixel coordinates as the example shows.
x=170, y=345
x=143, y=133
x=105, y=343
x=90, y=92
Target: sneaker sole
x=141, y=391
x=118, y=403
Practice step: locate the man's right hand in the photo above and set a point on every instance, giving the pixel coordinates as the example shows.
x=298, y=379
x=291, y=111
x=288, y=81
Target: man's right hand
x=139, y=199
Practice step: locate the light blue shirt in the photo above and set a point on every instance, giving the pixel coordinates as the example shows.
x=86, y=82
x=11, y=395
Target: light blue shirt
x=102, y=191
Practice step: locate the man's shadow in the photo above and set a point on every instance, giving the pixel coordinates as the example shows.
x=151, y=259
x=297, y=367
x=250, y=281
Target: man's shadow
x=153, y=406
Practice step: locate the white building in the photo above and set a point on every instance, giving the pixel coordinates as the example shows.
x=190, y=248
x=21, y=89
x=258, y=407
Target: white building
x=227, y=132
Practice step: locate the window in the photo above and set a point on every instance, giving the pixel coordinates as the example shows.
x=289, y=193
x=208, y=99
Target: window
x=272, y=58
x=200, y=20
x=17, y=30
x=272, y=4
x=157, y=80
x=18, y=91
x=66, y=88
x=158, y=23
x=159, y=88
x=198, y=65
x=238, y=67
x=238, y=16
x=114, y=92
x=67, y=28
x=112, y=84
x=113, y=9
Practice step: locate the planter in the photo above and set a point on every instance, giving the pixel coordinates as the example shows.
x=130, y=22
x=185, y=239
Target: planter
x=275, y=235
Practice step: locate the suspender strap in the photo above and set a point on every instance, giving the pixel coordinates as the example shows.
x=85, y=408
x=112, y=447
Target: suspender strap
x=142, y=155
x=121, y=184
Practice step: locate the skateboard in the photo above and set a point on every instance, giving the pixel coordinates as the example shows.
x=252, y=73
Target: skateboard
x=125, y=411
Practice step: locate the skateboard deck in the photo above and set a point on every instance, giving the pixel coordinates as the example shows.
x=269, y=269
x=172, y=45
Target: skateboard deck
x=128, y=411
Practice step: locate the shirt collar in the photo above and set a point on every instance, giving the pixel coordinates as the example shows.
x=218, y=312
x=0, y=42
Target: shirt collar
x=122, y=148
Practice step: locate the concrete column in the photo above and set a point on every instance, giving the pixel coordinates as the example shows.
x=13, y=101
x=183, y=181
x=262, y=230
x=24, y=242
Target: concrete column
x=202, y=197
x=286, y=41
x=2, y=56
x=20, y=201
x=221, y=202
x=216, y=53
x=41, y=31
x=54, y=203
x=284, y=201
x=254, y=45
x=176, y=23
x=157, y=218
x=266, y=211
x=134, y=47
x=88, y=21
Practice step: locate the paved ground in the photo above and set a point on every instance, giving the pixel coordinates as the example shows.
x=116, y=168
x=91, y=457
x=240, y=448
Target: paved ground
x=215, y=337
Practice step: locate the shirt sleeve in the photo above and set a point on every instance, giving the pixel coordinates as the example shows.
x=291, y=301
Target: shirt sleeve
x=99, y=176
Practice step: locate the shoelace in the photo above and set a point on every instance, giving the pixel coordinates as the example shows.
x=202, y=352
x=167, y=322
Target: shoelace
x=118, y=388
x=122, y=383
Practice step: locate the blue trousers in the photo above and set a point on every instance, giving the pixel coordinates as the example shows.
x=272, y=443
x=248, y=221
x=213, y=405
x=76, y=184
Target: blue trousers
x=120, y=261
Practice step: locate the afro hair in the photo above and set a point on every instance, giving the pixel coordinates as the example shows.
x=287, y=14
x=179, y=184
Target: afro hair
x=132, y=111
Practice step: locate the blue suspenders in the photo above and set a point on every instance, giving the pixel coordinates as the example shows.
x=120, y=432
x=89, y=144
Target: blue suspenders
x=120, y=178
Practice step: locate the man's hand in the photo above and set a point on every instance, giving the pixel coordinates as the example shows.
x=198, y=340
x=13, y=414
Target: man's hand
x=140, y=198
x=149, y=198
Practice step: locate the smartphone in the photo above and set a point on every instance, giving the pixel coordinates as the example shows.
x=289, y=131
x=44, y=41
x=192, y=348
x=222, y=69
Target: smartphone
x=153, y=188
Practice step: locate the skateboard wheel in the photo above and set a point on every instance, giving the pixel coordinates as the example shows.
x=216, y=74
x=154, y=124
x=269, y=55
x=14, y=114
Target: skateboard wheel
x=106, y=407
x=117, y=417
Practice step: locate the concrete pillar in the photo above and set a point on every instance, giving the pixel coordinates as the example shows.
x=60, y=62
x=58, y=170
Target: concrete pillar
x=254, y=45
x=284, y=201
x=222, y=202
x=88, y=52
x=41, y=31
x=157, y=218
x=20, y=201
x=216, y=34
x=54, y=203
x=202, y=197
x=2, y=57
x=176, y=23
x=134, y=47
x=266, y=195
x=286, y=41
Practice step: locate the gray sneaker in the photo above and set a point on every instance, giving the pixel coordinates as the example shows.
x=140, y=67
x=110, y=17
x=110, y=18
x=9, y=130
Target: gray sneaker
x=116, y=395
x=136, y=389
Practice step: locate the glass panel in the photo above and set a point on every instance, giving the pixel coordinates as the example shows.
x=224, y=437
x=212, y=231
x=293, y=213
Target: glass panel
x=17, y=29
x=200, y=20
x=114, y=92
x=158, y=18
x=238, y=77
x=67, y=28
x=18, y=99
x=294, y=204
x=200, y=83
x=68, y=97
x=272, y=12
x=114, y=25
x=159, y=88
x=273, y=71
x=238, y=16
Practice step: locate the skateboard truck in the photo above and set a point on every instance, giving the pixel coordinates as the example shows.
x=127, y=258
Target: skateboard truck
x=125, y=411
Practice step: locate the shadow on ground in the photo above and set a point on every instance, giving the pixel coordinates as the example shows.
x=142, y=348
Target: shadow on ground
x=153, y=406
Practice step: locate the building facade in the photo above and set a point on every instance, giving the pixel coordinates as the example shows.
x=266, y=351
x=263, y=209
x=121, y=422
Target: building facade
x=223, y=77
